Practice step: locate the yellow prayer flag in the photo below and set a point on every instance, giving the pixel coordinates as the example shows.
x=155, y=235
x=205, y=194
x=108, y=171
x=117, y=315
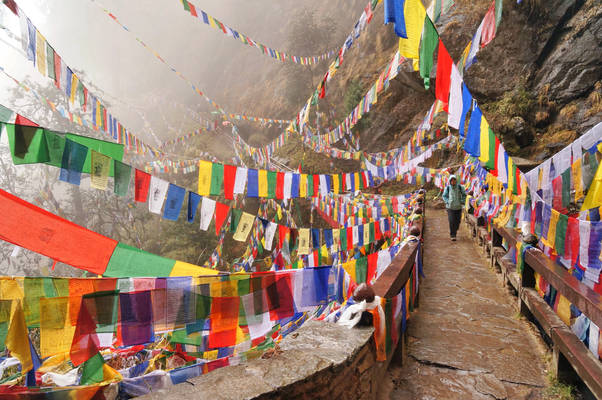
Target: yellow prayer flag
x=303, y=185
x=577, y=179
x=366, y=234
x=564, y=310
x=99, y=170
x=594, y=194
x=335, y=183
x=74, y=82
x=336, y=240
x=303, y=241
x=17, y=338
x=41, y=53
x=356, y=177
x=98, y=118
x=262, y=183
x=205, y=177
x=551, y=236
x=349, y=267
x=510, y=170
x=244, y=227
x=414, y=14
x=224, y=289
x=181, y=268
x=56, y=331
x=484, y=137
x=10, y=289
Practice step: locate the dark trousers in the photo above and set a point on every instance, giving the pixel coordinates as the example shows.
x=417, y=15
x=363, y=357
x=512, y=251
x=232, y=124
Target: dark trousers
x=454, y=217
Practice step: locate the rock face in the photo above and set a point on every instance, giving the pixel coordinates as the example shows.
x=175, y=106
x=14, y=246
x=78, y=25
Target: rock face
x=540, y=76
x=572, y=64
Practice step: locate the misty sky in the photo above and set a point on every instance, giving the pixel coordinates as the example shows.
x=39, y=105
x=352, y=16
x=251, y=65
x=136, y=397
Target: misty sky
x=144, y=94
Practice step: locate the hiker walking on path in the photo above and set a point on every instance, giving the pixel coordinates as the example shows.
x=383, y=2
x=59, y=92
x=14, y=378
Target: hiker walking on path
x=454, y=197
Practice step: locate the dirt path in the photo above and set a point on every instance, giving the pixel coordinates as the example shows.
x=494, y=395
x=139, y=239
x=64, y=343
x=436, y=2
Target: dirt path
x=465, y=340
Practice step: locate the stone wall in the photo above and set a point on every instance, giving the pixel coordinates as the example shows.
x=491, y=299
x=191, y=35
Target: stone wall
x=318, y=361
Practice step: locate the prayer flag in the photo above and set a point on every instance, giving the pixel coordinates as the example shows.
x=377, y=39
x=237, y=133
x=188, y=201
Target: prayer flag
x=217, y=179
x=394, y=12
x=158, y=190
x=17, y=338
x=193, y=205
x=142, y=184
x=444, y=67
x=205, y=179
x=175, y=199
x=414, y=15
x=207, y=211
x=99, y=174
x=229, y=181
x=123, y=175
x=244, y=227
x=221, y=212
x=427, y=49
x=72, y=164
x=472, y=143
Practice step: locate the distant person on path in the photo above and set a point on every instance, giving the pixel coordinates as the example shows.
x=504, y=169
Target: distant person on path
x=454, y=197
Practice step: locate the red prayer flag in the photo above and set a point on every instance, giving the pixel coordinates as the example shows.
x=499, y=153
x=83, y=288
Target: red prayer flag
x=229, y=179
x=36, y=229
x=85, y=342
x=57, y=70
x=443, y=82
x=192, y=9
x=316, y=179
x=372, y=262
x=488, y=30
x=280, y=185
x=142, y=185
x=224, y=321
x=221, y=213
x=21, y=120
x=349, y=238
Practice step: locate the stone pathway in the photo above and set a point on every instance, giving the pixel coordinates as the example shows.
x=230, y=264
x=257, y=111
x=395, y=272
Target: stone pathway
x=465, y=341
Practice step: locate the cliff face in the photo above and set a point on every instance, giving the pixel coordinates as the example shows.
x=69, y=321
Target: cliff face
x=538, y=82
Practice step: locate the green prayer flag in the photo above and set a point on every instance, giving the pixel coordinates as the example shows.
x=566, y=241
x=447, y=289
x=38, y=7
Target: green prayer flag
x=310, y=185
x=235, y=219
x=50, y=62
x=6, y=114
x=61, y=285
x=113, y=150
x=361, y=269
x=217, y=179
x=49, y=289
x=272, y=184
x=185, y=4
x=343, y=238
x=491, y=161
x=566, y=188
x=123, y=175
x=27, y=144
x=372, y=232
x=498, y=13
x=561, y=227
x=128, y=261
x=56, y=147
x=92, y=370
x=429, y=41
x=80, y=93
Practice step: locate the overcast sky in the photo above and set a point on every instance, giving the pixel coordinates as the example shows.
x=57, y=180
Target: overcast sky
x=144, y=94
